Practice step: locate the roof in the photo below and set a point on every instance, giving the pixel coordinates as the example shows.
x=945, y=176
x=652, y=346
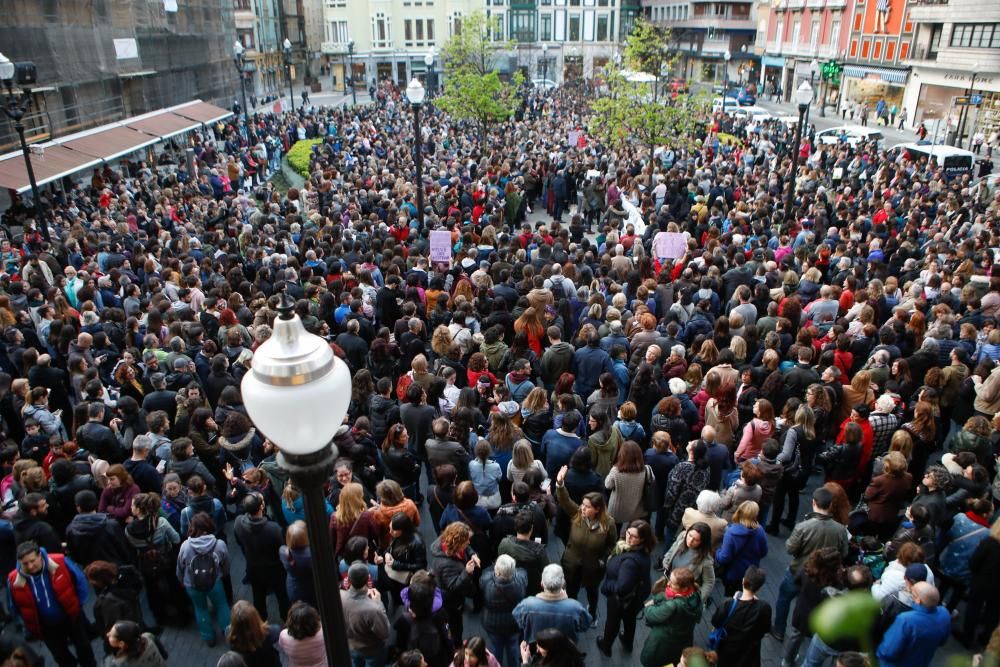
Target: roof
x=936, y=151
x=69, y=155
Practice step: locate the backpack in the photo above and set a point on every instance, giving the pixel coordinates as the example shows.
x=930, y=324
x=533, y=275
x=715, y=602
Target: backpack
x=204, y=571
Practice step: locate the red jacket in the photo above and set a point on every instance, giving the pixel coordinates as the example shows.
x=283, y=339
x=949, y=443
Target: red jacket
x=62, y=585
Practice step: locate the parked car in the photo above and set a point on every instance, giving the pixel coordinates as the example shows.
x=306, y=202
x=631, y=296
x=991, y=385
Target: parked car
x=852, y=135
x=746, y=97
x=731, y=105
x=544, y=84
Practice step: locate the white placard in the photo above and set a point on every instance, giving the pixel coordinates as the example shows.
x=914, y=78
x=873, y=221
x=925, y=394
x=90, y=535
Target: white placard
x=126, y=49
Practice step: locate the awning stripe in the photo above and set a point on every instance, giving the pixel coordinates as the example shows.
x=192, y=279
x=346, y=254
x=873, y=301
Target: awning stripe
x=886, y=74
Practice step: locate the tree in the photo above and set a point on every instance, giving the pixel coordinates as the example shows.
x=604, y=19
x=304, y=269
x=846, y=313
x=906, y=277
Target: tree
x=473, y=89
x=630, y=114
x=472, y=48
x=482, y=99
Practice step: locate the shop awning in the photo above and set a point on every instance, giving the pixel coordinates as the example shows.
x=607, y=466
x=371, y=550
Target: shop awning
x=110, y=143
x=201, y=112
x=163, y=124
x=53, y=163
x=897, y=76
x=69, y=155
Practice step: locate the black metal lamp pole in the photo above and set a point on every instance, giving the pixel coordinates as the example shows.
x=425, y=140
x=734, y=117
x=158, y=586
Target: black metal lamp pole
x=286, y=51
x=14, y=107
x=238, y=60
x=795, y=164
x=418, y=158
x=350, y=73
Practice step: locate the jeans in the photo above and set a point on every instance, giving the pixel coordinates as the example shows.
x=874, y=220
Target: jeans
x=574, y=581
x=359, y=659
x=792, y=644
x=58, y=637
x=203, y=616
x=619, y=615
x=788, y=591
x=261, y=586
x=818, y=653
x=506, y=649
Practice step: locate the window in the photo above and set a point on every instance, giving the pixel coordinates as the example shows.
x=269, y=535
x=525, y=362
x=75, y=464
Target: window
x=242, y=4
x=814, y=37
x=877, y=50
x=381, y=31
x=835, y=35
x=418, y=32
x=574, y=28
x=779, y=34
x=246, y=38
x=857, y=22
x=522, y=24
x=337, y=32
x=455, y=24
x=890, y=50
x=976, y=35
x=796, y=32
x=602, y=28
x=546, y=24
x=336, y=3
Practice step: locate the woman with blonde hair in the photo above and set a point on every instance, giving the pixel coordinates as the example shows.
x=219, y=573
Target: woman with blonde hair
x=522, y=461
x=743, y=544
x=353, y=518
x=859, y=392
x=441, y=342
x=421, y=376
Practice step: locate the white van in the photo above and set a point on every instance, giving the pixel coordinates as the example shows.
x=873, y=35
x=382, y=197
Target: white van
x=852, y=134
x=956, y=161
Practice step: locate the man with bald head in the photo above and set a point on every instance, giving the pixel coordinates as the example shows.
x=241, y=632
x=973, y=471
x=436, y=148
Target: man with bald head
x=915, y=635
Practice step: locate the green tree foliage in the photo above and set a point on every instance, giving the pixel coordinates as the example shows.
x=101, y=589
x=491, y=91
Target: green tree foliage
x=481, y=98
x=647, y=50
x=631, y=114
x=472, y=48
x=473, y=90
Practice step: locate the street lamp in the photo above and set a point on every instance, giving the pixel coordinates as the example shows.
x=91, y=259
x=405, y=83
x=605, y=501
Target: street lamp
x=545, y=66
x=15, y=106
x=743, y=52
x=286, y=52
x=239, y=59
x=350, y=72
x=727, y=56
x=813, y=71
x=297, y=394
x=415, y=93
x=431, y=81
x=803, y=96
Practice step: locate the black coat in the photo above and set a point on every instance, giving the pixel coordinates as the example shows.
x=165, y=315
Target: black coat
x=751, y=620
x=627, y=577
x=96, y=536
x=261, y=541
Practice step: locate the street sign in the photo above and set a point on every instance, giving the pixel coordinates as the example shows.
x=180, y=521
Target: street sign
x=976, y=99
x=968, y=100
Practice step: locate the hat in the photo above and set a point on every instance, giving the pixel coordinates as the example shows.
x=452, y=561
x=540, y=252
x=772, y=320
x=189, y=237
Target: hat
x=468, y=263
x=509, y=408
x=915, y=572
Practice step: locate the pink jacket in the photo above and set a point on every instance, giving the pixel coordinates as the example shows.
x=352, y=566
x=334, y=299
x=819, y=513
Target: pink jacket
x=754, y=435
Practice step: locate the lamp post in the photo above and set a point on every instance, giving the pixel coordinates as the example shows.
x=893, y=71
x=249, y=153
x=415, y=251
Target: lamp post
x=727, y=56
x=743, y=56
x=297, y=395
x=350, y=72
x=415, y=93
x=545, y=64
x=803, y=95
x=14, y=107
x=239, y=59
x=431, y=80
x=286, y=52
x=813, y=71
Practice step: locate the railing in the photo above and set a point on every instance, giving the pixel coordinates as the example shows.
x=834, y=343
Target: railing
x=929, y=2
x=923, y=53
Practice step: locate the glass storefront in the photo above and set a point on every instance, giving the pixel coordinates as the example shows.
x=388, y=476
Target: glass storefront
x=870, y=90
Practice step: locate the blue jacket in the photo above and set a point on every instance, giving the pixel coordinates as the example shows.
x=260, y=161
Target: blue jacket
x=557, y=448
x=963, y=538
x=590, y=363
x=914, y=636
x=620, y=369
x=741, y=548
x=534, y=614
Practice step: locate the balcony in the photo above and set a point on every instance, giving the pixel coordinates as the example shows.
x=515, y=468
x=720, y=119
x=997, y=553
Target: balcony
x=930, y=11
x=333, y=48
x=923, y=53
x=795, y=4
x=705, y=22
x=815, y=4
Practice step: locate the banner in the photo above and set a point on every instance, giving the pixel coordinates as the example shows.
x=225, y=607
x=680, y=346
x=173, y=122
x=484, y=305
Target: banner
x=670, y=245
x=441, y=246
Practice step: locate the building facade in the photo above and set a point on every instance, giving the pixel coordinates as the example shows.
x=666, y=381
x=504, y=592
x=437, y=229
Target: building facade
x=875, y=59
x=376, y=40
x=956, y=52
x=102, y=61
x=703, y=31
x=261, y=29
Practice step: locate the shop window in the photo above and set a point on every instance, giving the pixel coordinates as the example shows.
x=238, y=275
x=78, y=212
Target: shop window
x=890, y=50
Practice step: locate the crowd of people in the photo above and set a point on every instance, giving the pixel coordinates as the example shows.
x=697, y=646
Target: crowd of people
x=569, y=405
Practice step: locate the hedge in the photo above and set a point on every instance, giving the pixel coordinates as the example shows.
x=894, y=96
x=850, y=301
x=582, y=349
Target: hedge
x=298, y=156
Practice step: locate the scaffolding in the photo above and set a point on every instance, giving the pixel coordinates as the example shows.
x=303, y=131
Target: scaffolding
x=100, y=61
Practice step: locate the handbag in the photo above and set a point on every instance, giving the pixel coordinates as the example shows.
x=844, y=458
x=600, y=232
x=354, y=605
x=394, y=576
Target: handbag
x=719, y=634
x=649, y=500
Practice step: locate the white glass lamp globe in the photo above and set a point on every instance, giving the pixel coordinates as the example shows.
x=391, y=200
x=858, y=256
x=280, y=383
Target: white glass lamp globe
x=297, y=391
